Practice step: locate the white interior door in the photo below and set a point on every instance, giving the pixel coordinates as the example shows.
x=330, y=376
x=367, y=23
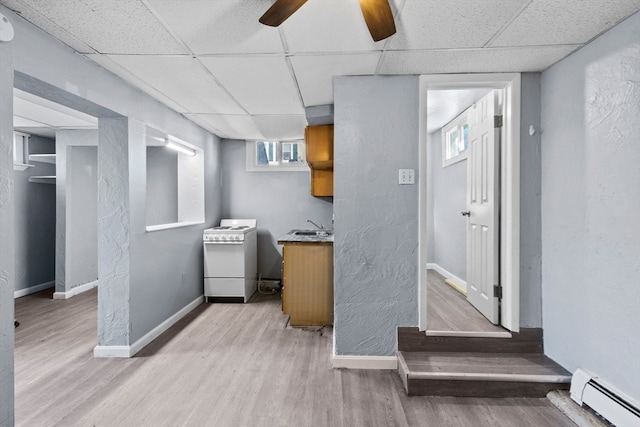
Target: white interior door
x=483, y=166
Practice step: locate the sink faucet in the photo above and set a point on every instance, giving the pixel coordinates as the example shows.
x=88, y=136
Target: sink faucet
x=321, y=226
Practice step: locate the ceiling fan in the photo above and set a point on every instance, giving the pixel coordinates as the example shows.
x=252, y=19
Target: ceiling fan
x=377, y=15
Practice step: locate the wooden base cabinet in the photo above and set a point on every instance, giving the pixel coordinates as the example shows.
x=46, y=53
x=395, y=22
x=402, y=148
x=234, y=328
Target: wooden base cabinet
x=307, y=280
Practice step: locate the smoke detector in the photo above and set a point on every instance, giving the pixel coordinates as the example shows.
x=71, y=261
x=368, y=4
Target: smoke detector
x=6, y=29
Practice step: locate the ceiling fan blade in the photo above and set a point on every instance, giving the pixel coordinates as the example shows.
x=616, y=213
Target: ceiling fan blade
x=280, y=11
x=379, y=18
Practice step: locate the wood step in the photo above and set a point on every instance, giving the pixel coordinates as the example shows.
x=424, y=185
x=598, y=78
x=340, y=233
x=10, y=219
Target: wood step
x=526, y=341
x=480, y=374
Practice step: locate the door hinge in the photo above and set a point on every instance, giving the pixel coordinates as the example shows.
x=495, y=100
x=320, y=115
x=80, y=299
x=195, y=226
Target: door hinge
x=497, y=291
x=497, y=121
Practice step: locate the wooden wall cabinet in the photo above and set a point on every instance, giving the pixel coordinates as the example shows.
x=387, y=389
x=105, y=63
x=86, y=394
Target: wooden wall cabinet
x=307, y=283
x=319, y=148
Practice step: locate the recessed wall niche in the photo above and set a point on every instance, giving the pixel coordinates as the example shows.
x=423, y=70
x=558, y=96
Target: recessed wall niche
x=175, y=182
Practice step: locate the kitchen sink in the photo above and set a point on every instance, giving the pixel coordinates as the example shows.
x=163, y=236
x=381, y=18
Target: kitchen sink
x=311, y=232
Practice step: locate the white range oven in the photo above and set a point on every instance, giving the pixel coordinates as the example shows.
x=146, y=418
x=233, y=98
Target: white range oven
x=230, y=260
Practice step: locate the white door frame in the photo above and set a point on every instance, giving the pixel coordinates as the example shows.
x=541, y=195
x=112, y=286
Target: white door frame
x=509, y=189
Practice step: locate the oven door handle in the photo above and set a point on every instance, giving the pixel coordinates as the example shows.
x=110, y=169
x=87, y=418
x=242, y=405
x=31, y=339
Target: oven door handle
x=207, y=242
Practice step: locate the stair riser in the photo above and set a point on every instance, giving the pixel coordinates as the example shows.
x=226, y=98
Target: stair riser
x=429, y=387
x=527, y=341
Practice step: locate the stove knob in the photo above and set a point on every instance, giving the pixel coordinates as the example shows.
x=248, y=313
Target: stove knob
x=216, y=238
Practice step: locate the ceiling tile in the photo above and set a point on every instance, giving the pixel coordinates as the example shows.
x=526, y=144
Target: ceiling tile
x=228, y=126
x=261, y=84
x=436, y=24
x=531, y=59
x=314, y=73
x=281, y=127
x=182, y=79
x=39, y=20
x=551, y=22
x=110, y=26
x=328, y=26
x=210, y=27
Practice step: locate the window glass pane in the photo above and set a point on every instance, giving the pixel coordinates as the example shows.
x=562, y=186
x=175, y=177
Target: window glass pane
x=266, y=153
x=452, y=143
x=292, y=152
x=464, y=143
x=261, y=154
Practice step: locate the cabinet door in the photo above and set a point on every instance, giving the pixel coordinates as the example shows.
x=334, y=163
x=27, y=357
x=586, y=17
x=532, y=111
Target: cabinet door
x=308, y=269
x=321, y=183
x=319, y=146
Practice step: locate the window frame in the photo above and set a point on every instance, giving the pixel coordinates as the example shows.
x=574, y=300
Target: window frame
x=456, y=124
x=277, y=165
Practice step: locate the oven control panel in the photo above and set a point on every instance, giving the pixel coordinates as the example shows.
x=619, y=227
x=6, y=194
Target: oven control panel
x=223, y=238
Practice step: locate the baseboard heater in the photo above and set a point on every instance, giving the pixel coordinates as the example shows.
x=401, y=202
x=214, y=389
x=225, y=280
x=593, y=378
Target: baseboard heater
x=619, y=410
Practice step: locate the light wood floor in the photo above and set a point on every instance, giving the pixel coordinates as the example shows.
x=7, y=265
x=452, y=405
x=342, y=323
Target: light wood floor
x=222, y=365
x=449, y=310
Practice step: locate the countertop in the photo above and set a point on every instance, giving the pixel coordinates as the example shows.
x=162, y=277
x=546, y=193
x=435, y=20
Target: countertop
x=292, y=238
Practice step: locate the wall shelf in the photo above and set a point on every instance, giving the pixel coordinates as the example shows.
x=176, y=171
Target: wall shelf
x=43, y=158
x=21, y=166
x=43, y=179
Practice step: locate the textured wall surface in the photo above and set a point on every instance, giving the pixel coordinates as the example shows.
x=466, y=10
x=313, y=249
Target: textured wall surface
x=376, y=220
x=449, y=188
x=166, y=266
x=591, y=207
x=162, y=186
x=6, y=233
x=35, y=220
x=280, y=201
x=82, y=215
x=163, y=269
x=114, y=231
x=530, y=220
x=76, y=205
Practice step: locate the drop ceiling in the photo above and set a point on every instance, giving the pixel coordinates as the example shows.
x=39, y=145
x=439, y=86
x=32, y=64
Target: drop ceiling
x=214, y=63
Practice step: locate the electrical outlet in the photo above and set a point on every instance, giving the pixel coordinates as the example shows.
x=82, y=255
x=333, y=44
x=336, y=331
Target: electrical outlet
x=406, y=176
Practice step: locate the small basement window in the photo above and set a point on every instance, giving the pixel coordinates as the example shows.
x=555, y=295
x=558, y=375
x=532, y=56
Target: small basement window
x=455, y=141
x=276, y=156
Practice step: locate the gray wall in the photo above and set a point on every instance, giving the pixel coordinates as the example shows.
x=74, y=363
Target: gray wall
x=280, y=201
x=7, y=267
x=162, y=186
x=76, y=208
x=449, y=191
x=149, y=276
x=376, y=220
x=590, y=208
x=530, y=222
x=82, y=215
x=35, y=220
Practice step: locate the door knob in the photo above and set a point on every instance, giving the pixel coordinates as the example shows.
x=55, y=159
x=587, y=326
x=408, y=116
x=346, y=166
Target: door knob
x=467, y=213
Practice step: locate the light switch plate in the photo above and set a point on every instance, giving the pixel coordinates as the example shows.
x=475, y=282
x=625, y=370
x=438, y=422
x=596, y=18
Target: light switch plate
x=406, y=176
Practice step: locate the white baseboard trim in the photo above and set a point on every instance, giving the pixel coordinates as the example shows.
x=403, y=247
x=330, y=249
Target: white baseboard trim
x=75, y=291
x=447, y=275
x=125, y=351
x=33, y=289
x=115, y=351
x=365, y=362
